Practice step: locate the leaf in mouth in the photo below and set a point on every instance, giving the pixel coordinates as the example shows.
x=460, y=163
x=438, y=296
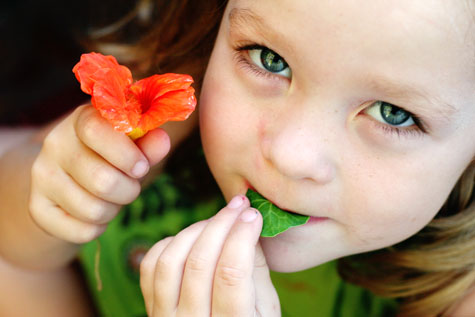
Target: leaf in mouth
x=275, y=220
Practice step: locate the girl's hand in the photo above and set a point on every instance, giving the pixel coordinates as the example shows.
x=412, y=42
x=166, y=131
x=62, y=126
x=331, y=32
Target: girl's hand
x=84, y=173
x=212, y=268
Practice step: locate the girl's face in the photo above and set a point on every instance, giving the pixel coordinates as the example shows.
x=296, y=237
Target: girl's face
x=357, y=113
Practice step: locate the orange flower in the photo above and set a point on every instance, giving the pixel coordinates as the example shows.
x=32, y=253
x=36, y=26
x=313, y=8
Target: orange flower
x=134, y=108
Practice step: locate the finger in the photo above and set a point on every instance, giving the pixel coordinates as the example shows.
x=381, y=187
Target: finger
x=147, y=272
x=60, y=188
x=155, y=145
x=267, y=300
x=233, y=288
x=169, y=269
x=203, y=257
x=100, y=178
x=115, y=147
x=59, y=224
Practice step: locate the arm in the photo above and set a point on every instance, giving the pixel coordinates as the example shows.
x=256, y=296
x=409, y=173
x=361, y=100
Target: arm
x=33, y=260
x=21, y=240
x=64, y=183
x=18, y=149
x=42, y=294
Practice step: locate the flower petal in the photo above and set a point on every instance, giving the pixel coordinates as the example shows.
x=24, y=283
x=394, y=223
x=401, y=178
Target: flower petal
x=173, y=106
x=108, y=96
x=158, y=85
x=167, y=97
x=85, y=70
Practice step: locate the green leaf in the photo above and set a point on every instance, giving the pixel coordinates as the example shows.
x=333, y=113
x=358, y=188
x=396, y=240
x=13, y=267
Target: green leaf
x=275, y=219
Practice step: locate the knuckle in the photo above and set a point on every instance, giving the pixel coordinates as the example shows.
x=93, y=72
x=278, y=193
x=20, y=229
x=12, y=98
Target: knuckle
x=164, y=265
x=104, y=180
x=132, y=193
x=40, y=218
x=86, y=234
x=80, y=110
x=146, y=267
x=33, y=209
x=230, y=275
x=98, y=212
x=49, y=142
x=42, y=171
x=197, y=264
x=88, y=126
x=36, y=169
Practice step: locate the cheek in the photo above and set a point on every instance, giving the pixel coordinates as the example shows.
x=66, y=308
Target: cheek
x=226, y=126
x=222, y=115
x=212, y=121
x=228, y=117
x=391, y=207
x=384, y=221
x=388, y=197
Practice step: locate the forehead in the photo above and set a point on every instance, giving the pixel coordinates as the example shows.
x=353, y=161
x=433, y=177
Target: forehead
x=452, y=16
x=423, y=21
x=426, y=22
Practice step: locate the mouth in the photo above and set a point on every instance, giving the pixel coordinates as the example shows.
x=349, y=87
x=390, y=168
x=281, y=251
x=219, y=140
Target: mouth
x=252, y=188
x=275, y=219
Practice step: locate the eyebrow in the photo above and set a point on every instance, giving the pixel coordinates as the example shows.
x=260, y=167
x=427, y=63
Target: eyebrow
x=416, y=97
x=242, y=18
x=239, y=17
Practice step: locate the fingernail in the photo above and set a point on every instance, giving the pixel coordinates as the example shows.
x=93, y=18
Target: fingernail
x=248, y=215
x=140, y=168
x=236, y=202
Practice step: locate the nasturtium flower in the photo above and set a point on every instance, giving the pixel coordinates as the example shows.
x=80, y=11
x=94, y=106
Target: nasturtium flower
x=134, y=107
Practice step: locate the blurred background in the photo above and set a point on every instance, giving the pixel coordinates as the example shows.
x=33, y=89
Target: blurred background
x=40, y=43
x=39, y=46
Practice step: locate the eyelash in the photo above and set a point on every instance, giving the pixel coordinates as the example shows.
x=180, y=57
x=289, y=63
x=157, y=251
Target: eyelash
x=242, y=59
x=418, y=129
x=402, y=132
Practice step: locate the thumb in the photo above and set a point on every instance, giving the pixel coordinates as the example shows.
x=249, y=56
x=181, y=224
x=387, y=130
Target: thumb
x=267, y=300
x=155, y=145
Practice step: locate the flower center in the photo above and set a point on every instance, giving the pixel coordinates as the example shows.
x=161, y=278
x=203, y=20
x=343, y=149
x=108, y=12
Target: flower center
x=146, y=99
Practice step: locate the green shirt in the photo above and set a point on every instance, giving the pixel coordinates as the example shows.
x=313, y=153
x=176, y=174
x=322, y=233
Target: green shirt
x=163, y=210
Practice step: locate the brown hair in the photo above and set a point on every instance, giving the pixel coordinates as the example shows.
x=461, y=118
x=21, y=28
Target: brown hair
x=433, y=269
x=159, y=36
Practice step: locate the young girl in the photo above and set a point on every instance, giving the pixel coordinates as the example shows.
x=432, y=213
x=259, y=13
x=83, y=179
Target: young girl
x=359, y=115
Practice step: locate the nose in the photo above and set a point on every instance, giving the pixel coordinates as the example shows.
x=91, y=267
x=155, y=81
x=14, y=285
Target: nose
x=298, y=149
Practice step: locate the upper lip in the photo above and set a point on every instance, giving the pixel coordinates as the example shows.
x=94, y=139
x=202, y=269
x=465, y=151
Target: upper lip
x=249, y=185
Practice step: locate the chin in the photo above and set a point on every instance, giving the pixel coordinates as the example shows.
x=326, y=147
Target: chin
x=285, y=258
x=304, y=247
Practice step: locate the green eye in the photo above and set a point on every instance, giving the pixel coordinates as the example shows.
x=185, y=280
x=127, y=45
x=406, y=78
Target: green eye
x=394, y=115
x=390, y=114
x=270, y=61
